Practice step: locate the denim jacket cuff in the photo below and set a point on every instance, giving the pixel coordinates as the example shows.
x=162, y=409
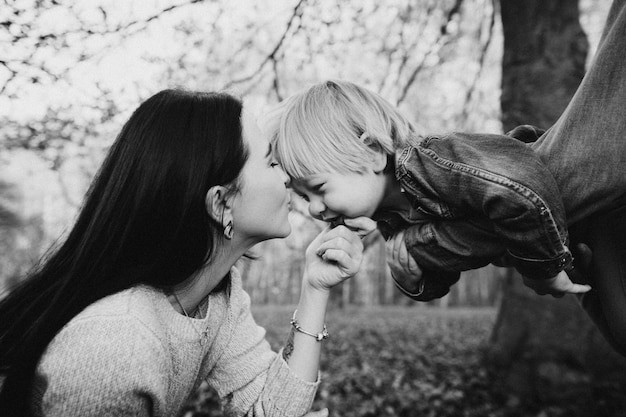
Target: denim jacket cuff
x=542, y=268
x=411, y=294
x=434, y=284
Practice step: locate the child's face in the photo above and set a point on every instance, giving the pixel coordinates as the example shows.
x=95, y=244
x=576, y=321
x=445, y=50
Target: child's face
x=333, y=196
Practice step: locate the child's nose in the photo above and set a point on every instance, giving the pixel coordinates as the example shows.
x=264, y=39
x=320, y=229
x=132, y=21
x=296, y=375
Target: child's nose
x=316, y=208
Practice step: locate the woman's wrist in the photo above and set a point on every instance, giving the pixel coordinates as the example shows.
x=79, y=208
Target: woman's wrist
x=301, y=351
x=313, y=300
x=314, y=286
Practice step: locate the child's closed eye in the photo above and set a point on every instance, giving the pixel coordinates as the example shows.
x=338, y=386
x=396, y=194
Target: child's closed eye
x=302, y=196
x=318, y=188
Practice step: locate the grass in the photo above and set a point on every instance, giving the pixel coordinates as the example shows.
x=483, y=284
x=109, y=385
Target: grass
x=405, y=362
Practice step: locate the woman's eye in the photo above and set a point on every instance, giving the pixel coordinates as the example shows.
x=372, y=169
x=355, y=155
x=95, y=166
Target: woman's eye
x=274, y=164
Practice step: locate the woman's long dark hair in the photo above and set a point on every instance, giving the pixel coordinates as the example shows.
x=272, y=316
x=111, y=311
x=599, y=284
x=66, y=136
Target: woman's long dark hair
x=143, y=221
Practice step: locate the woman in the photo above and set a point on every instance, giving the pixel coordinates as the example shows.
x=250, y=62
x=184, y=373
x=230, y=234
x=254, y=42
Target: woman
x=142, y=302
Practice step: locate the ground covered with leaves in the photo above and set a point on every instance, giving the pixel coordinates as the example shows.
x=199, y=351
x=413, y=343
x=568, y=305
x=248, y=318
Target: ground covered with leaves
x=427, y=362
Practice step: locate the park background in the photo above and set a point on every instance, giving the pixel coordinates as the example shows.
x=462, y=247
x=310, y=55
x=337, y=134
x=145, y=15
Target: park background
x=71, y=72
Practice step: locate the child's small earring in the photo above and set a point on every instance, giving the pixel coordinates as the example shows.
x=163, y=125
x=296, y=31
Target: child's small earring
x=228, y=230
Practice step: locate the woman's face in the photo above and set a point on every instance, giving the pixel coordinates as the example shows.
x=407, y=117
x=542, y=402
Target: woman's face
x=261, y=208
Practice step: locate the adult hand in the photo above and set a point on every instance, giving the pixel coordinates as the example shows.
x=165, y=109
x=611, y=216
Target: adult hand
x=405, y=271
x=556, y=286
x=332, y=257
x=581, y=272
x=362, y=226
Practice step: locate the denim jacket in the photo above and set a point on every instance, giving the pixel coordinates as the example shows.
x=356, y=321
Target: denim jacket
x=477, y=199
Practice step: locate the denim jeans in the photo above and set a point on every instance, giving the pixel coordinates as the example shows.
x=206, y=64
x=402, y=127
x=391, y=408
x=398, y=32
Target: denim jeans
x=586, y=148
x=586, y=152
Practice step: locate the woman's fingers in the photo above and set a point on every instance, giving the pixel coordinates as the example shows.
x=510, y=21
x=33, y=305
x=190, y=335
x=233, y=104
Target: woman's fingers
x=340, y=237
x=333, y=256
x=362, y=226
x=339, y=243
x=338, y=231
x=341, y=258
x=341, y=246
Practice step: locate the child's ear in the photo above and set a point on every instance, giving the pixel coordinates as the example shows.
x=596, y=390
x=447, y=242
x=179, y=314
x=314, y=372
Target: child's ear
x=218, y=205
x=379, y=162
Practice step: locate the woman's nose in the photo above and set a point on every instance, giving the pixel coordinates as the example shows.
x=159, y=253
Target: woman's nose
x=316, y=208
x=286, y=178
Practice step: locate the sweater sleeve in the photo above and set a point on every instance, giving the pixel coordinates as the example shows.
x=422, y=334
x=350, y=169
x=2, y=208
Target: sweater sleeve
x=102, y=366
x=250, y=378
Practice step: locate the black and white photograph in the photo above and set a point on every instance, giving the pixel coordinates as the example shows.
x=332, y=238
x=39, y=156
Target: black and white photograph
x=313, y=208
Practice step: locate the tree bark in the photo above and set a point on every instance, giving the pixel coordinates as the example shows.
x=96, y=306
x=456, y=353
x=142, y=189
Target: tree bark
x=544, y=349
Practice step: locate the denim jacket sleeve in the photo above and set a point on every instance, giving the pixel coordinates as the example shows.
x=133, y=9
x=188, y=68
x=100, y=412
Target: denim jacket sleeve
x=484, y=194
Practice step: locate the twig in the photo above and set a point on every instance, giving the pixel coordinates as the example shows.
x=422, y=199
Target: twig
x=443, y=30
x=481, y=62
x=297, y=12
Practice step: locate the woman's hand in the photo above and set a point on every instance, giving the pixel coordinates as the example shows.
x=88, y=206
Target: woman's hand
x=362, y=226
x=404, y=270
x=556, y=286
x=332, y=257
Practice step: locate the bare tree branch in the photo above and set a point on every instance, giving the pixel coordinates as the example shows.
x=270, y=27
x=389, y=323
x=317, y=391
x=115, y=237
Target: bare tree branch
x=65, y=192
x=275, y=83
x=11, y=77
x=416, y=39
x=24, y=32
x=297, y=13
x=144, y=21
x=481, y=62
x=437, y=46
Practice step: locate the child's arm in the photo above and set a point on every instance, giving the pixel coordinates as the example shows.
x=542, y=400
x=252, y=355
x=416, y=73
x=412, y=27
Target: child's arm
x=556, y=286
x=414, y=281
x=574, y=280
x=405, y=272
x=482, y=195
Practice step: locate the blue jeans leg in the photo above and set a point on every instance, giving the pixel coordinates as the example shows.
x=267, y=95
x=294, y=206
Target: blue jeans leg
x=586, y=152
x=586, y=147
x=607, y=238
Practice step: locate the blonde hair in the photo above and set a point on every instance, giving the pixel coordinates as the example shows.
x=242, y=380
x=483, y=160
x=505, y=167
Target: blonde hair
x=334, y=126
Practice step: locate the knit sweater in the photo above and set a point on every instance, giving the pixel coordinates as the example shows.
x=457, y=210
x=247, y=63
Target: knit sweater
x=132, y=354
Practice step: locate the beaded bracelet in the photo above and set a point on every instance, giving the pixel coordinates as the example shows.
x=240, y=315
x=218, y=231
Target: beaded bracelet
x=319, y=337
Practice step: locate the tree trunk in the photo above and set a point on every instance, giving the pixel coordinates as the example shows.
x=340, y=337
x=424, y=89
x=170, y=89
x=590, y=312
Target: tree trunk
x=544, y=348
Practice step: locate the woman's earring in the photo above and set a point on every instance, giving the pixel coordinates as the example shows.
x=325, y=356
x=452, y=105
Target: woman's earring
x=228, y=230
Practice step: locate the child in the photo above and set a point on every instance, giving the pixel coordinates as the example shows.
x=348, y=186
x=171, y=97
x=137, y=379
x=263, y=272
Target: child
x=453, y=191
x=461, y=201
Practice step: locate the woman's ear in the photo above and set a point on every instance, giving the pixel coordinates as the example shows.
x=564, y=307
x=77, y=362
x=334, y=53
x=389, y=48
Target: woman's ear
x=218, y=205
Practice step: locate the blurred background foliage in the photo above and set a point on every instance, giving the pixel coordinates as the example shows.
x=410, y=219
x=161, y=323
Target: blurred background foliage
x=71, y=72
